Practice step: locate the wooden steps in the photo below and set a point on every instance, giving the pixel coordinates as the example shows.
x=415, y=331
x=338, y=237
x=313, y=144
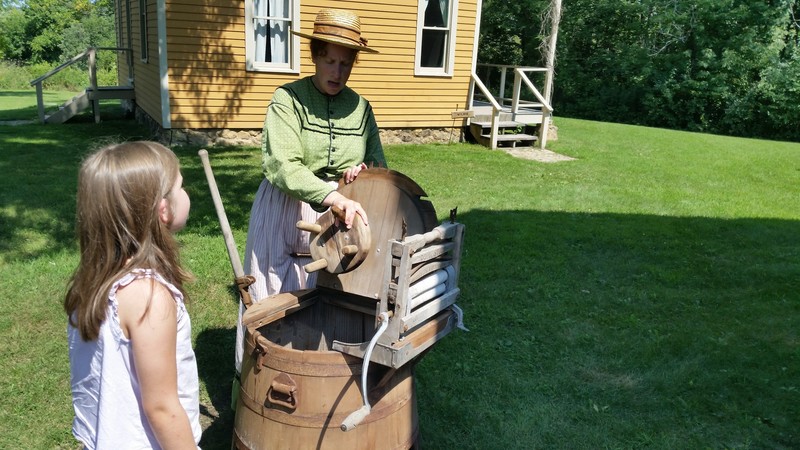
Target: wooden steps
x=87, y=98
x=510, y=133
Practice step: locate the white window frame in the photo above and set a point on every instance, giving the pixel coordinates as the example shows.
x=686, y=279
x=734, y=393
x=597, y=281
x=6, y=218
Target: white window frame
x=144, y=50
x=450, y=41
x=293, y=18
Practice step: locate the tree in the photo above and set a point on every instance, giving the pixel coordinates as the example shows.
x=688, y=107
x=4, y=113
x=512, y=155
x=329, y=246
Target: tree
x=510, y=32
x=723, y=66
x=12, y=34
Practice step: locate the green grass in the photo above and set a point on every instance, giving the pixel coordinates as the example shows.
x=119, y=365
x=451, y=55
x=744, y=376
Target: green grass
x=644, y=295
x=21, y=106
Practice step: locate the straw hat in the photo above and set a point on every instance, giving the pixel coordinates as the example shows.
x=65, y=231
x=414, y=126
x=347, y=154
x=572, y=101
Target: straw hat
x=338, y=27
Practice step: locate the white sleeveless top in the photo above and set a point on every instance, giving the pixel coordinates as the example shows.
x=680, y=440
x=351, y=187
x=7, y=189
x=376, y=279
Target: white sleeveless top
x=105, y=388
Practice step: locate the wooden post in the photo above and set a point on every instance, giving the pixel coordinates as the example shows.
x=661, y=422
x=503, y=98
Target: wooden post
x=40, y=101
x=502, y=85
x=95, y=97
x=555, y=18
x=515, y=95
x=495, y=118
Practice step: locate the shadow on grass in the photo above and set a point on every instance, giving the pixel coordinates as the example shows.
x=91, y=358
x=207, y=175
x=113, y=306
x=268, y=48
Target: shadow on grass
x=214, y=350
x=109, y=109
x=39, y=164
x=587, y=330
x=237, y=172
x=624, y=331
x=607, y=330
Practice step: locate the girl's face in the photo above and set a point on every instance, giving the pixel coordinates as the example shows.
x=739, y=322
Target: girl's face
x=333, y=68
x=178, y=205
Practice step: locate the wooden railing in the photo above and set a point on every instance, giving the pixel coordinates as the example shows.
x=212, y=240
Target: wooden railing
x=91, y=54
x=496, y=106
x=514, y=104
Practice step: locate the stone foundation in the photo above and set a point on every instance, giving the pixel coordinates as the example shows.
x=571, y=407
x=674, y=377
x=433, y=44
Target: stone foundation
x=252, y=138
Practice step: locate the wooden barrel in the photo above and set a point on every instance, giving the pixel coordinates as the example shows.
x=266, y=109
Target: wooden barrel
x=295, y=393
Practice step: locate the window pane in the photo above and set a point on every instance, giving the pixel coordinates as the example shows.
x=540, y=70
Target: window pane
x=436, y=13
x=434, y=44
x=271, y=35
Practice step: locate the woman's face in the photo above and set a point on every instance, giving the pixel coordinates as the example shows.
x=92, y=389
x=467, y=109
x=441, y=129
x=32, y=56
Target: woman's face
x=333, y=68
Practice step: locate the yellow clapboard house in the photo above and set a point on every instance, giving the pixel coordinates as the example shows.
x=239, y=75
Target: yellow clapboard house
x=214, y=64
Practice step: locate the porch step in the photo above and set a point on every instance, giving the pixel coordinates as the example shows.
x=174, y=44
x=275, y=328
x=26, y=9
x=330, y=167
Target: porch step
x=112, y=92
x=69, y=109
x=508, y=133
x=500, y=124
x=512, y=137
x=512, y=140
x=84, y=100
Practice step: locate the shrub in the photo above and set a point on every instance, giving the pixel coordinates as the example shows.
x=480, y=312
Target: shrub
x=68, y=79
x=14, y=77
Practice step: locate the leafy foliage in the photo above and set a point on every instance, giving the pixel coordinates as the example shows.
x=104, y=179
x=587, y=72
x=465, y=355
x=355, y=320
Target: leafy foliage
x=37, y=35
x=721, y=66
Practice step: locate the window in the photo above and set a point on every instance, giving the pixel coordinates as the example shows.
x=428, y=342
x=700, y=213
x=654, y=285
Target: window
x=143, y=29
x=436, y=37
x=270, y=45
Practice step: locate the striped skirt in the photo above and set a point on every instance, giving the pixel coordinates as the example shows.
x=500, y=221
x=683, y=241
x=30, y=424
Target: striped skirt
x=273, y=246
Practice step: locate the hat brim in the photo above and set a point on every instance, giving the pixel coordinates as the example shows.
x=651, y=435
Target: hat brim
x=338, y=41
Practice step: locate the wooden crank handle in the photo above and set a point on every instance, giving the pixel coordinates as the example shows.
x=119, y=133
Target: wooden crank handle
x=338, y=213
x=310, y=227
x=349, y=249
x=316, y=265
x=233, y=253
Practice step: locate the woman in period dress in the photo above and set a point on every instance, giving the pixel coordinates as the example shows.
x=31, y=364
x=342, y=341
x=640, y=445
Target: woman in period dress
x=316, y=132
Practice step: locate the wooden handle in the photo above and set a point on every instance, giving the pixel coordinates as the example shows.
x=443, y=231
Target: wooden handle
x=349, y=249
x=310, y=227
x=316, y=265
x=338, y=213
x=282, y=391
x=233, y=253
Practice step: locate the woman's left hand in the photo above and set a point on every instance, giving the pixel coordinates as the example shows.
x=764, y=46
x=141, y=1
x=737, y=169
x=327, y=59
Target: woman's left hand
x=351, y=173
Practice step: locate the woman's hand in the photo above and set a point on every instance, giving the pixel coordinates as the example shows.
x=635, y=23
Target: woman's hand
x=348, y=207
x=351, y=173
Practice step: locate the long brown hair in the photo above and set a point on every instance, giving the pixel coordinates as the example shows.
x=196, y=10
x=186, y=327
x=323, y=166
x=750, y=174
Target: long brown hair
x=120, y=188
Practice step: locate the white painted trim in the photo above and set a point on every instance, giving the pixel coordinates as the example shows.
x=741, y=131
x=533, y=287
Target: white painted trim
x=448, y=70
x=163, y=69
x=476, y=37
x=293, y=66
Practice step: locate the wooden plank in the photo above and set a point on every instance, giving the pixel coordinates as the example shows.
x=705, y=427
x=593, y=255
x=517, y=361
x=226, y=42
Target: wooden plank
x=513, y=137
x=500, y=124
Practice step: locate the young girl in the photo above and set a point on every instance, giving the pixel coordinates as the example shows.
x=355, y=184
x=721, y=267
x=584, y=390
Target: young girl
x=134, y=374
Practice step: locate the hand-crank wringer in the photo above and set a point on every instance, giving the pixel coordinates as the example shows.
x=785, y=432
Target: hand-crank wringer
x=385, y=294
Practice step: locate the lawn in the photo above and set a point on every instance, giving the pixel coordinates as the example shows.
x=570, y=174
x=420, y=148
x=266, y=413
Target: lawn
x=643, y=295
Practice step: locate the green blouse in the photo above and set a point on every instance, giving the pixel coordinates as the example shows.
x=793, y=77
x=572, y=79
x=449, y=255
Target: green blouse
x=310, y=138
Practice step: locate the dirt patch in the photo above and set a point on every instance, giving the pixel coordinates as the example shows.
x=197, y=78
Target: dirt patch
x=536, y=154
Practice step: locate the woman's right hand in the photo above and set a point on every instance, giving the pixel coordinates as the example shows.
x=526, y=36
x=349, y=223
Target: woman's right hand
x=348, y=207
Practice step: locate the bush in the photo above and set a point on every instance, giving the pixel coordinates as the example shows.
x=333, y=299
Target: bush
x=68, y=79
x=14, y=77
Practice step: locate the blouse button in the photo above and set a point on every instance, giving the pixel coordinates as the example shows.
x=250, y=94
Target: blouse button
x=332, y=162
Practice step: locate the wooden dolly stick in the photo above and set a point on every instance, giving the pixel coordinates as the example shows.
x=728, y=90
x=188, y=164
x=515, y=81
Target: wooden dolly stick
x=242, y=280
